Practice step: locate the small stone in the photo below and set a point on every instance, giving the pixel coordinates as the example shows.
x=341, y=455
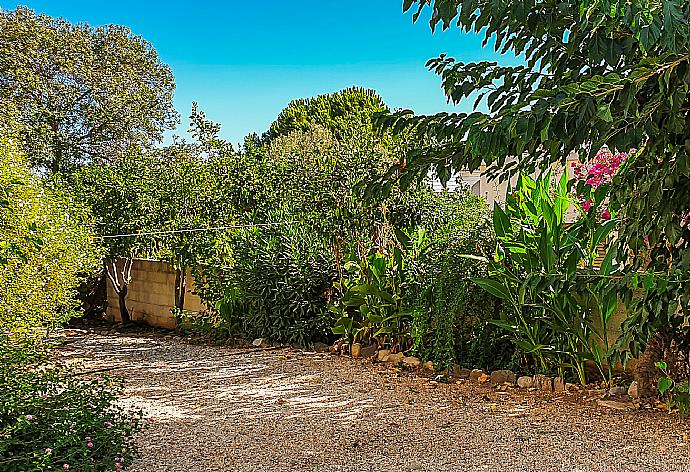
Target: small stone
x=320, y=347
x=632, y=390
x=500, y=377
x=476, y=374
x=484, y=378
x=369, y=351
x=356, y=350
x=411, y=361
x=429, y=365
x=544, y=383
x=525, y=382
x=382, y=354
x=260, y=342
x=616, y=405
x=459, y=372
x=395, y=358
x=559, y=384
x=617, y=391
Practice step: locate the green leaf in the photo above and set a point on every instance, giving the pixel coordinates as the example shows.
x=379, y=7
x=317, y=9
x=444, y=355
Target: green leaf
x=493, y=287
x=664, y=385
x=604, y=112
x=501, y=222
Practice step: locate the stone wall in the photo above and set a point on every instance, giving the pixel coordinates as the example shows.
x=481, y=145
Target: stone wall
x=152, y=294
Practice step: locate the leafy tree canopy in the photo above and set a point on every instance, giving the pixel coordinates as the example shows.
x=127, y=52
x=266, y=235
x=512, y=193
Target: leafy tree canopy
x=81, y=93
x=335, y=111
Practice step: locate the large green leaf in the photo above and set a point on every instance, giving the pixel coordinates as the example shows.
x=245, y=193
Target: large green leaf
x=501, y=222
x=495, y=288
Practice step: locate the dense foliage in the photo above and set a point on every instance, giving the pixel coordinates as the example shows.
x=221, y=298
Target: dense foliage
x=558, y=304
x=296, y=204
x=451, y=314
x=336, y=112
x=311, y=254
x=81, y=93
x=46, y=246
x=50, y=418
x=595, y=72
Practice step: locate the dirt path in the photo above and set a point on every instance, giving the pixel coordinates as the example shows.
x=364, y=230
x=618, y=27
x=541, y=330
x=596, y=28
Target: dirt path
x=216, y=410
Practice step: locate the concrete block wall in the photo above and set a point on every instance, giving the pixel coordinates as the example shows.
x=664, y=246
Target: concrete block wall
x=152, y=294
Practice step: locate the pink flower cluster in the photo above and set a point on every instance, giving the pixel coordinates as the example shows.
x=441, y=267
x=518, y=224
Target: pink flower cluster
x=600, y=170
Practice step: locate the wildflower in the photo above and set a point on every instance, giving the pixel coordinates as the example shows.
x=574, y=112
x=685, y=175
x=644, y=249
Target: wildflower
x=108, y=424
x=118, y=466
x=29, y=417
x=48, y=450
x=586, y=205
x=606, y=215
x=71, y=424
x=87, y=438
x=89, y=445
x=65, y=466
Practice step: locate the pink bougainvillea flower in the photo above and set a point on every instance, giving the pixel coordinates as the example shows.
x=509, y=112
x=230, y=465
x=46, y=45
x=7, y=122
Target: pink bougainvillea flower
x=586, y=205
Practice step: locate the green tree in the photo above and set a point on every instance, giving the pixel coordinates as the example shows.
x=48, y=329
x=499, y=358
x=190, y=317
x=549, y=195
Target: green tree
x=595, y=72
x=46, y=245
x=81, y=93
x=123, y=199
x=184, y=199
x=335, y=112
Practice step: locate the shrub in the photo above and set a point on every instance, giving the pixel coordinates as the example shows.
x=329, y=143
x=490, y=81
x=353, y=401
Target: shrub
x=52, y=419
x=45, y=247
x=450, y=314
x=369, y=300
x=558, y=306
x=278, y=285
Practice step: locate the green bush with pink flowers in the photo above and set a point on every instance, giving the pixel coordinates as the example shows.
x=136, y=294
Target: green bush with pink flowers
x=51, y=418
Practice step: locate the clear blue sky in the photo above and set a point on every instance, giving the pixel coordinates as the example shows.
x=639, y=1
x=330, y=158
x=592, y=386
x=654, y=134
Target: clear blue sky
x=243, y=61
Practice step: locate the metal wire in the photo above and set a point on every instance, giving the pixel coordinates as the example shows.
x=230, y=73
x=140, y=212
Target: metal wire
x=194, y=230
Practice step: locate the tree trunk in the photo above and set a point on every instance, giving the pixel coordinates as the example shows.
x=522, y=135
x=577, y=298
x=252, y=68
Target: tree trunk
x=120, y=281
x=646, y=373
x=180, y=287
x=122, y=300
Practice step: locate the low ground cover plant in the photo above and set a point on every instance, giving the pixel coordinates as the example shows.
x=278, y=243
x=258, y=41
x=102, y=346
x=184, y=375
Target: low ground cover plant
x=51, y=418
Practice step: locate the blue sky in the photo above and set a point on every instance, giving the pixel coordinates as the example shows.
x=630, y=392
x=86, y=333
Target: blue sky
x=243, y=61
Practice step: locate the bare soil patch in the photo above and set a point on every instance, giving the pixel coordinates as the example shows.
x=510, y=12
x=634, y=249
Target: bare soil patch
x=221, y=409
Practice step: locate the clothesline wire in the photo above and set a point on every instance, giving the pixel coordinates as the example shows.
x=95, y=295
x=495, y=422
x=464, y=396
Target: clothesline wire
x=195, y=230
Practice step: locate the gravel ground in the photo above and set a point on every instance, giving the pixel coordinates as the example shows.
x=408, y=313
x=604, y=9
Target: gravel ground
x=219, y=409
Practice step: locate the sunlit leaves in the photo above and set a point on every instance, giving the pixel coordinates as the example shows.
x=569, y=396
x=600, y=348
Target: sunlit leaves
x=81, y=93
